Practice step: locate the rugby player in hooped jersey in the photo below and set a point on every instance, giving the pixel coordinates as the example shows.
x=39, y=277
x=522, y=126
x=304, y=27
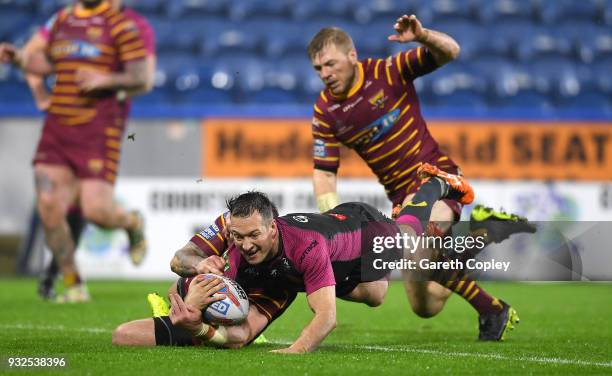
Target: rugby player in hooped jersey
x=371, y=106
x=273, y=258
x=98, y=54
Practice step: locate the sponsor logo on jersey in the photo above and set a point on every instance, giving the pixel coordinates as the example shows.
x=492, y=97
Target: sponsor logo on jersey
x=367, y=84
x=378, y=100
x=300, y=218
x=210, y=232
x=95, y=165
x=334, y=107
x=340, y=217
x=378, y=128
x=319, y=148
x=94, y=33
x=78, y=48
x=310, y=247
x=351, y=105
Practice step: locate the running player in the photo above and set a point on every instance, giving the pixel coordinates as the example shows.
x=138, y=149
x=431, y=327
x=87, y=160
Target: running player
x=98, y=54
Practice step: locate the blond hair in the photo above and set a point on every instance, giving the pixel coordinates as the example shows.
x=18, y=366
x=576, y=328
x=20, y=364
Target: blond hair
x=330, y=36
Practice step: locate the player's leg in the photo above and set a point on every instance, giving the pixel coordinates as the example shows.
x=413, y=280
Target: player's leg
x=76, y=223
x=99, y=207
x=135, y=333
x=370, y=293
x=56, y=188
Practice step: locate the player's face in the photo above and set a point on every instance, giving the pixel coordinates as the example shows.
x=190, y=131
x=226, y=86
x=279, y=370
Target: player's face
x=253, y=237
x=337, y=69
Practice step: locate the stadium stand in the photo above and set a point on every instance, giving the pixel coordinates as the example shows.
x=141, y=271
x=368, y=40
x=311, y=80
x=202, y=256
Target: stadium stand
x=536, y=53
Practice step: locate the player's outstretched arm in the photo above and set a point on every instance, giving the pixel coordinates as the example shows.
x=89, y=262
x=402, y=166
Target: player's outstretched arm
x=190, y=260
x=442, y=46
x=323, y=303
x=324, y=183
x=36, y=63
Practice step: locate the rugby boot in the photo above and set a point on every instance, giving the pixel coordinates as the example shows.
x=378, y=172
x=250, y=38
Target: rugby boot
x=459, y=188
x=74, y=294
x=159, y=306
x=497, y=226
x=494, y=326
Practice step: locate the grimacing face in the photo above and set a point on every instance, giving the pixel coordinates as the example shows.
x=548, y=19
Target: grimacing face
x=253, y=237
x=336, y=69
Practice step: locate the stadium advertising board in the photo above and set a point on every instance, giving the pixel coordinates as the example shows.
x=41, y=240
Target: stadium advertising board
x=176, y=208
x=483, y=149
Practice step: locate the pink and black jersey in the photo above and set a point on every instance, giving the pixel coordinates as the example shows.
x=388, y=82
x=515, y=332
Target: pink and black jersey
x=381, y=120
x=315, y=251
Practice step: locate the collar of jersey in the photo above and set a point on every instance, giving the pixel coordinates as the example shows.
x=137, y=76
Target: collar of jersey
x=355, y=87
x=84, y=13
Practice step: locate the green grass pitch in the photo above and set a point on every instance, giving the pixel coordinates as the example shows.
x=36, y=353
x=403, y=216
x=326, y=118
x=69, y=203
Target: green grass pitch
x=565, y=329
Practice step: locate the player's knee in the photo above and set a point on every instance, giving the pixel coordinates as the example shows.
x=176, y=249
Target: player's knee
x=424, y=312
x=50, y=211
x=121, y=335
x=376, y=299
x=95, y=212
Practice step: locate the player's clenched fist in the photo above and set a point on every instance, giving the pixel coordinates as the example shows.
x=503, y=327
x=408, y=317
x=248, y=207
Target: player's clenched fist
x=211, y=264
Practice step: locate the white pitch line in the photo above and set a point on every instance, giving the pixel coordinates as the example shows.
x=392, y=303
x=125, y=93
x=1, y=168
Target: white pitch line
x=402, y=349
x=408, y=349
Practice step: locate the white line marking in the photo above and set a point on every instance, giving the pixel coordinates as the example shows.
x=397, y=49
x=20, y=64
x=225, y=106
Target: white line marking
x=404, y=349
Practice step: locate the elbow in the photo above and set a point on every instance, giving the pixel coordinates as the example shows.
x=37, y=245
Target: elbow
x=174, y=265
x=455, y=51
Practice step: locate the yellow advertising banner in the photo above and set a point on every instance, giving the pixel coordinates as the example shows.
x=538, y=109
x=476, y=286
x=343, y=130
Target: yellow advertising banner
x=483, y=149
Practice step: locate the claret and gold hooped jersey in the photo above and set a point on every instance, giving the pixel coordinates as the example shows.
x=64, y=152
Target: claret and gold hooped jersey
x=381, y=120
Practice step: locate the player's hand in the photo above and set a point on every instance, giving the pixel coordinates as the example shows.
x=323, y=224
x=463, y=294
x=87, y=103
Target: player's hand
x=90, y=80
x=8, y=53
x=184, y=315
x=201, y=291
x=409, y=29
x=211, y=264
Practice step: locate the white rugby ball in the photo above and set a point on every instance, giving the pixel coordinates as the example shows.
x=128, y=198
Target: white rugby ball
x=233, y=309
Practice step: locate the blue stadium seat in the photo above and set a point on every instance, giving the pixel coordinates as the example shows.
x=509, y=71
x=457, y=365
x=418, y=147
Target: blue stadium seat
x=311, y=10
x=507, y=37
x=280, y=38
x=552, y=12
x=526, y=99
x=493, y=11
x=385, y=11
x=543, y=42
x=242, y=10
x=556, y=78
x=463, y=99
x=146, y=8
x=16, y=92
x=446, y=10
x=587, y=102
x=176, y=9
x=13, y=22
x=601, y=75
x=469, y=36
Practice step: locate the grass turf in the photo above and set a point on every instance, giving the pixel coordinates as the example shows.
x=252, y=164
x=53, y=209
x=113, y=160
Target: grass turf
x=564, y=329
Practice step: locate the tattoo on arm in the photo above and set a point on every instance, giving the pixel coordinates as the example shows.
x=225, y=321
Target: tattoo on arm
x=185, y=260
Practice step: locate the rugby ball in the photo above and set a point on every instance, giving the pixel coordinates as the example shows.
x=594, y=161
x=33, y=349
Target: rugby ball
x=234, y=307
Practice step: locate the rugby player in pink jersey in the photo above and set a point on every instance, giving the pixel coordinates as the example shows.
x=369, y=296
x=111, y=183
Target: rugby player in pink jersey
x=273, y=258
x=371, y=106
x=98, y=54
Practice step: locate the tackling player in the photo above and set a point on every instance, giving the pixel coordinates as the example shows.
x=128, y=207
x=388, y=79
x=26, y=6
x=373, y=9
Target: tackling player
x=98, y=54
x=372, y=107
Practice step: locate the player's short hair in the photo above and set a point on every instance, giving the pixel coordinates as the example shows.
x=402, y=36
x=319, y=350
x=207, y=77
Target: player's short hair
x=250, y=202
x=330, y=36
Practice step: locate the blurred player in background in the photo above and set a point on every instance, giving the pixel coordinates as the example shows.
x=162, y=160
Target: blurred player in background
x=99, y=56
x=38, y=43
x=372, y=106
x=272, y=258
